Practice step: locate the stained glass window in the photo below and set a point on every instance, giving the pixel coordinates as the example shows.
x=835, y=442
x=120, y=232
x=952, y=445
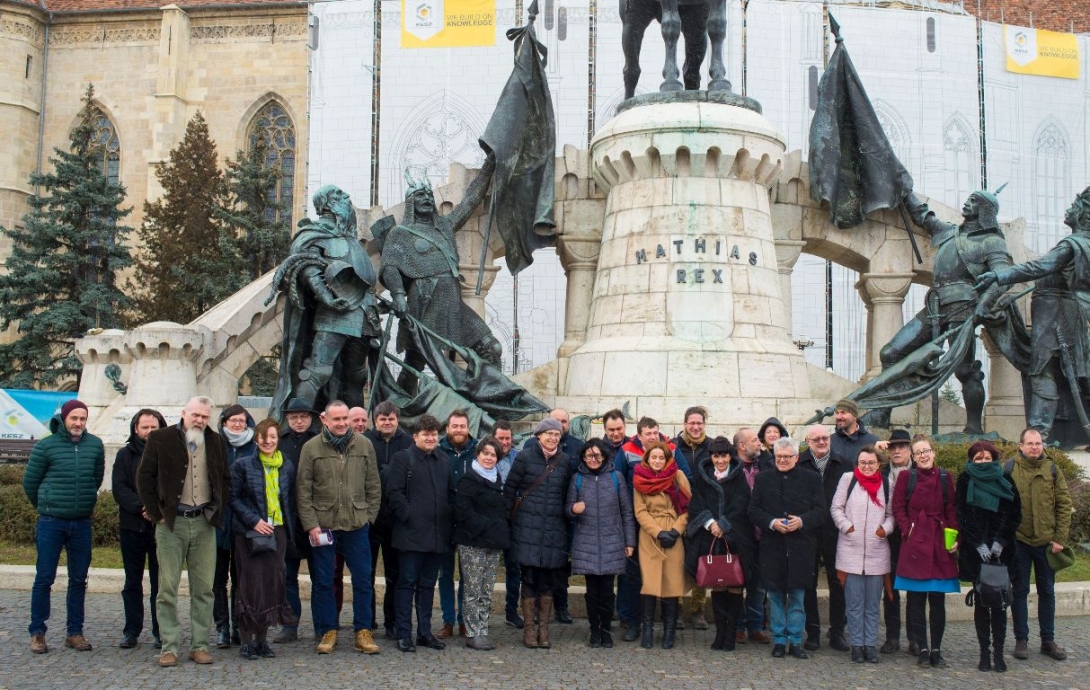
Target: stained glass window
x=273, y=123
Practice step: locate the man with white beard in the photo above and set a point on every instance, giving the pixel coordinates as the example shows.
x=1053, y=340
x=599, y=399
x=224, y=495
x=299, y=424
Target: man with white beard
x=192, y=456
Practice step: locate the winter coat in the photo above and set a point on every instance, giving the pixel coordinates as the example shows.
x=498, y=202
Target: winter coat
x=460, y=460
x=290, y=446
x=420, y=491
x=163, y=468
x=979, y=526
x=787, y=559
x=539, y=529
x=830, y=480
x=727, y=502
x=62, y=477
x=385, y=450
x=248, y=503
x=862, y=552
x=923, y=547
x=480, y=513
x=662, y=570
x=1046, y=502
x=847, y=446
x=688, y=457
x=606, y=526
x=123, y=481
x=569, y=445
x=337, y=491
x=225, y=535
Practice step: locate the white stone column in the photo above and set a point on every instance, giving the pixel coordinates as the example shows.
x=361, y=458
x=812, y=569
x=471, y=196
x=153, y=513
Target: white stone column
x=885, y=295
x=469, y=288
x=787, y=255
x=1004, y=409
x=579, y=257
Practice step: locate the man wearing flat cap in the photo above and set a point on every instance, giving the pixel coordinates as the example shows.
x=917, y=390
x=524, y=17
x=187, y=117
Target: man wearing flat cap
x=899, y=449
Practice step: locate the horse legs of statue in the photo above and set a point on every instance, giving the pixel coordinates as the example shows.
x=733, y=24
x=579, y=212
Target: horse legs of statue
x=635, y=18
x=671, y=31
x=717, y=33
x=694, y=23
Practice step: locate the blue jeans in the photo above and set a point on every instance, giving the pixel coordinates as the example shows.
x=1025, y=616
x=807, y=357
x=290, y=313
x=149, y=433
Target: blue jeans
x=1034, y=556
x=355, y=547
x=52, y=535
x=753, y=619
x=787, y=615
x=417, y=573
x=513, y=576
x=446, y=589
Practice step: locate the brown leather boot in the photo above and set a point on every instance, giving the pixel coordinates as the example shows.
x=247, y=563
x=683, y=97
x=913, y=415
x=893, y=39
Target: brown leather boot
x=543, y=626
x=529, y=628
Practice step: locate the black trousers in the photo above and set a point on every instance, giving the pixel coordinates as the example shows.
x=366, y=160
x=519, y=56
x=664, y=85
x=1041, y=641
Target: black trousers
x=838, y=614
x=917, y=617
x=384, y=541
x=223, y=609
x=600, y=598
x=891, y=608
x=136, y=549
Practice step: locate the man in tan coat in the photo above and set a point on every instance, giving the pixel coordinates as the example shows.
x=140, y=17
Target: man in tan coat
x=338, y=493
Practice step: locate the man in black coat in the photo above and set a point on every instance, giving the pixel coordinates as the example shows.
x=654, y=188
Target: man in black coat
x=788, y=507
x=137, y=534
x=830, y=466
x=388, y=439
x=300, y=427
x=420, y=492
x=747, y=445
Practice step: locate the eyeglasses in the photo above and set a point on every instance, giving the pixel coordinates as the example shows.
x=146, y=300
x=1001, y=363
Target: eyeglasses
x=593, y=456
x=787, y=457
x=867, y=462
x=818, y=439
x=923, y=453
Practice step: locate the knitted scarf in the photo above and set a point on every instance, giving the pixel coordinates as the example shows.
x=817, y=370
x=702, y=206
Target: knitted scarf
x=693, y=442
x=237, y=439
x=870, y=484
x=647, y=481
x=272, y=464
x=339, y=443
x=491, y=475
x=987, y=485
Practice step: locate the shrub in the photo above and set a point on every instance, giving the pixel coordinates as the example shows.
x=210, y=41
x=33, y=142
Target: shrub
x=1080, y=520
x=18, y=518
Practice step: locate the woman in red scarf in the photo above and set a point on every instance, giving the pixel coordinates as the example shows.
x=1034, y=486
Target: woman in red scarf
x=863, y=516
x=661, y=501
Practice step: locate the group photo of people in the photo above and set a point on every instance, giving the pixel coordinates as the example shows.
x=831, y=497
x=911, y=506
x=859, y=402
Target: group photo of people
x=653, y=527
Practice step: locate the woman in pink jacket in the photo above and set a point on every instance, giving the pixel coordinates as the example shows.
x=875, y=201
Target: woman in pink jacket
x=861, y=512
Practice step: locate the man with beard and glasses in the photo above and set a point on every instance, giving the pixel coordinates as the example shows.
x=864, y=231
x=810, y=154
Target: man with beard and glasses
x=192, y=457
x=330, y=316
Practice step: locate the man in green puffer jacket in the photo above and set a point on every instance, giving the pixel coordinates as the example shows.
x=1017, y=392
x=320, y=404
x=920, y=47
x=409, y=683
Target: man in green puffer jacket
x=61, y=481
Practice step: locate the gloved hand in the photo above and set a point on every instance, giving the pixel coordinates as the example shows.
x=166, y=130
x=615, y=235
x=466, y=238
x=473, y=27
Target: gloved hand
x=665, y=540
x=985, y=552
x=997, y=550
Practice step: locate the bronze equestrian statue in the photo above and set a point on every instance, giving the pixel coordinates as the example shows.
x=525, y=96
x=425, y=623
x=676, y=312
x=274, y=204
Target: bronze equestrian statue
x=699, y=20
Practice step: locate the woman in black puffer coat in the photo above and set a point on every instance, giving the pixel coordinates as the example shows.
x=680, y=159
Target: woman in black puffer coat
x=600, y=506
x=720, y=508
x=535, y=491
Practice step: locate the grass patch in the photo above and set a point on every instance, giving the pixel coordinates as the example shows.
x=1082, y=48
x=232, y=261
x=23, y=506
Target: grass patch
x=20, y=554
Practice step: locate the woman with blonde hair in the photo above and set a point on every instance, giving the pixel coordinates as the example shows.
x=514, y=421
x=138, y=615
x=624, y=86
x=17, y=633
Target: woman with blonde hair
x=661, y=501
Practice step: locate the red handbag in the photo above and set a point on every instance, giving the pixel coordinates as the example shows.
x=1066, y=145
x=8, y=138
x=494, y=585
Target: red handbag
x=717, y=571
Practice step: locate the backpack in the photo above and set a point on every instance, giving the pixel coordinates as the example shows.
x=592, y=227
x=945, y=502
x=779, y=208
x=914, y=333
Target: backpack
x=616, y=484
x=992, y=589
x=885, y=487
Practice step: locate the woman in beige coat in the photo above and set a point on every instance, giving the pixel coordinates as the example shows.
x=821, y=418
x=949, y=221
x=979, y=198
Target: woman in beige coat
x=661, y=500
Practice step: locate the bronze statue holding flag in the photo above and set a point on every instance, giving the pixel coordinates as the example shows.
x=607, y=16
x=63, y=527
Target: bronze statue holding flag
x=854, y=169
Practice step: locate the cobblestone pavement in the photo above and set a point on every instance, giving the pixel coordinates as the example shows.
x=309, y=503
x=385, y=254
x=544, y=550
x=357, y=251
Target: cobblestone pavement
x=569, y=665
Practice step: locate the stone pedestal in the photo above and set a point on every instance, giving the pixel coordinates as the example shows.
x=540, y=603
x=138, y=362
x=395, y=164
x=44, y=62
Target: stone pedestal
x=686, y=306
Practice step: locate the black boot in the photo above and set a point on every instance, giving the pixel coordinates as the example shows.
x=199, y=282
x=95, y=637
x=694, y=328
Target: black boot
x=982, y=622
x=647, y=621
x=999, y=637
x=671, y=609
x=722, y=629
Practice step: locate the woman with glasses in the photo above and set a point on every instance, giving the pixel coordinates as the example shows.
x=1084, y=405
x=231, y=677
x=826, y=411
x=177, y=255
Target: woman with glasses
x=863, y=517
x=600, y=507
x=924, y=507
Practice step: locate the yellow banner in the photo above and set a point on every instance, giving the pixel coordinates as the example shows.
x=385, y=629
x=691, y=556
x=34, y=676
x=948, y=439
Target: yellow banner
x=448, y=23
x=1040, y=52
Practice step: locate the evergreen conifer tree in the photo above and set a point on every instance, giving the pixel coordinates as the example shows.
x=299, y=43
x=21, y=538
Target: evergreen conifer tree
x=61, y=277
x=185, y=267
x=253, y=218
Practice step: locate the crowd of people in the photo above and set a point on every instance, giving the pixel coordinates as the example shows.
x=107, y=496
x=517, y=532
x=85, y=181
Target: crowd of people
x=640, y=518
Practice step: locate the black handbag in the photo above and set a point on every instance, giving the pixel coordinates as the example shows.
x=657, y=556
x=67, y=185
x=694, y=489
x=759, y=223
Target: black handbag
x=993, y=588
x=259, y=543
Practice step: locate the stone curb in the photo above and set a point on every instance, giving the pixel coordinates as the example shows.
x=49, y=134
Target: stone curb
x=1072, y=598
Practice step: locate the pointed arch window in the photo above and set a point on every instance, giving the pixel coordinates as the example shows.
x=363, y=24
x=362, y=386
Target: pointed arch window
x=274, y=125
x=1051, y=149
x=107, y=145
x=962, y=161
